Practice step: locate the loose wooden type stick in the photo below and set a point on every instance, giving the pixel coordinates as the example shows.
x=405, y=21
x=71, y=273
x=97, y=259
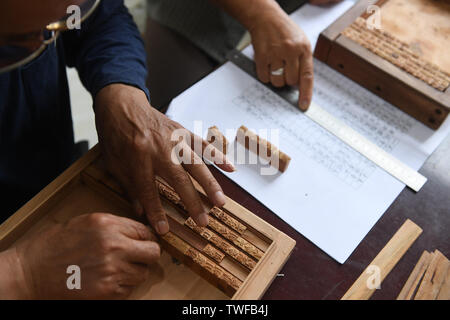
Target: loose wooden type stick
x=213, y=253
x=235, y=238
x=264, y=148
x=170, y=194
x=386, y=259
x=214, y=224
x=203, y=264
x=223, y=245
x=228, y=220
x=217, y=139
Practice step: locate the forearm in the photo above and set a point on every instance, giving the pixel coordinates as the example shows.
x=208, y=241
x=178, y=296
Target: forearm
x=12, y=284
x=250, y=11
x=108, y=49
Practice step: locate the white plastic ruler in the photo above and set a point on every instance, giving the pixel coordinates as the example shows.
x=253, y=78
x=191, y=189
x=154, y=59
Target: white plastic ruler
x=346, y=134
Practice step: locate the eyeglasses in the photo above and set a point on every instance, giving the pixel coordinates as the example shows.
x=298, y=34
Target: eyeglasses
x=22, y=49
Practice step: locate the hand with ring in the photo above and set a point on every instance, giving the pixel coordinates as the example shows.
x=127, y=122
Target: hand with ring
x=282, y=53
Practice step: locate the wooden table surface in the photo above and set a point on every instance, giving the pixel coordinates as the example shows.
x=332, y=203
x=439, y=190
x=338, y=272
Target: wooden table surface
x=310, y=273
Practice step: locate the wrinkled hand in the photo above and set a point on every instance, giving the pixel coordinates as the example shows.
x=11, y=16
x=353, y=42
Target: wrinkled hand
x=112, y=252
x=280, y=43
x=136, y=142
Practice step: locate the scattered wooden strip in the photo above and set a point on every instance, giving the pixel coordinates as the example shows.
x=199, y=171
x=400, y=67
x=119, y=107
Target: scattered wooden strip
x=434, y=277
x=386, y=259
x=223, y=245
x=202, y=264
x=217, y=139
x=415, y=277
x=263, y=148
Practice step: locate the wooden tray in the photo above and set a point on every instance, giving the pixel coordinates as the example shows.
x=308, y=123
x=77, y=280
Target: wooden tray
x=408, y=65
x=210, y=268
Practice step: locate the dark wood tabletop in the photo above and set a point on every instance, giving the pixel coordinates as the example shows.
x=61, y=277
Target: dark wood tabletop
x=175, y=65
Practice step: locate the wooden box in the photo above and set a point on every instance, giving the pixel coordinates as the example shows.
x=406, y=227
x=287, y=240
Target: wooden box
x=237, y=256
x=406, y=61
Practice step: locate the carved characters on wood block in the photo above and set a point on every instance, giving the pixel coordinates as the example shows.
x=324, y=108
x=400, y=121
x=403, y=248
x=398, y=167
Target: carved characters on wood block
x=222, y=244
x=213, y=253
x=398, y=53
x=263, y=148
x=223, y=232
x=203, y=264
x=235, y=238
x=228, y=220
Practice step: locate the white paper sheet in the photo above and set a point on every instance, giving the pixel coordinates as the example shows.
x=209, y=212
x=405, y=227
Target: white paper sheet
x=330, y=193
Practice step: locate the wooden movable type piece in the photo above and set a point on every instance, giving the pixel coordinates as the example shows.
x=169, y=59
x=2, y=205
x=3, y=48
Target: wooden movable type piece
x=263, y=148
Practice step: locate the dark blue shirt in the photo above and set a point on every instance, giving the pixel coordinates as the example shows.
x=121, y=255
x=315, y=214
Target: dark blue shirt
x=36, y=133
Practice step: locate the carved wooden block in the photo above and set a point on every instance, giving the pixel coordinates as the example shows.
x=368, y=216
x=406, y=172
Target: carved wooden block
x=213, y=253
x=263, y=148
x=228, y=220
x=222, y=244
x=404, y=62
x=217, y=139
x=235, y=238
x=217, y=226
x=398, y=53
x=225, y=279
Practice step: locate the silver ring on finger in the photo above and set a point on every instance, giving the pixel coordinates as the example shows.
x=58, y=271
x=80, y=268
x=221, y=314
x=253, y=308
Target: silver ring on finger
x=278, y=72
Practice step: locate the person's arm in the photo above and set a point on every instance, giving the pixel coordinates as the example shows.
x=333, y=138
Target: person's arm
x=278, y=43
x=134, y=137
x=12, y=279
x=107, y=49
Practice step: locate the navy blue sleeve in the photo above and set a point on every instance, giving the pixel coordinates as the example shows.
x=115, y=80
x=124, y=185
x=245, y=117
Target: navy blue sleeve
x=107, y=49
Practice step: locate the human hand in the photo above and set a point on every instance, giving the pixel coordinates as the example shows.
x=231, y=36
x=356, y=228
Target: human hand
x=112, y=253
x=136, y=143
x=281, y=45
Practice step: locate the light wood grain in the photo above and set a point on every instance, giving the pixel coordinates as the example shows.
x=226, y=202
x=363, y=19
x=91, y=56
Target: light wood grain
x=386, y=259
x=444, y=292
x=428, y=36
x=434, y=277
x=415, y=277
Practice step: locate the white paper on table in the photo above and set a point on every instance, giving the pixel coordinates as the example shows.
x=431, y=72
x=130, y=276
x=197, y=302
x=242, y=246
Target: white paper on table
x=330, y=193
